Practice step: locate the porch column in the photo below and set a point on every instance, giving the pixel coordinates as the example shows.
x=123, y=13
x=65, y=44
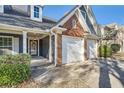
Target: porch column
x=50, y=49
x=24, y=42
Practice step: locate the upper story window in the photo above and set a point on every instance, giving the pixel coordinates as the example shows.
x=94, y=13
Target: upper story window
x=36, y=12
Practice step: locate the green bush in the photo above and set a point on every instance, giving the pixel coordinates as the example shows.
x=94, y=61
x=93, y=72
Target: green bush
x=105, y=51
x=115, y=47
x=14, y=69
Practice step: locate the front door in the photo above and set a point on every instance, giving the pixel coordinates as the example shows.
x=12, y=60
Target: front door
x=34, y=47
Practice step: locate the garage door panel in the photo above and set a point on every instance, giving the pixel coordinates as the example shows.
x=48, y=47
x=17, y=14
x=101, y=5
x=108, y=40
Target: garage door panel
x=72, y=49
x=91, y=49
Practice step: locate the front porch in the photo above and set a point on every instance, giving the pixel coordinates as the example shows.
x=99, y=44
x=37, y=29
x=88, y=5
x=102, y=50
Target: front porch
x=35, y=42
x=38, y=45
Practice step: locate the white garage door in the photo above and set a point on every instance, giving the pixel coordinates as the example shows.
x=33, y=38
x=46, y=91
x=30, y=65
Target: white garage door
x=91, y=49
x=72, y=49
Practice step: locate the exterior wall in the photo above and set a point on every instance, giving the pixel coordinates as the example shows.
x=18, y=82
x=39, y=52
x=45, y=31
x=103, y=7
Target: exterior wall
x=44, y=47
x=21, y=10
x=20, y=44
x=78, y=31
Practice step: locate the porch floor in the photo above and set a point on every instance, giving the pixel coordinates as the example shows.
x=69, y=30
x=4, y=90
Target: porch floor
x=38, y=61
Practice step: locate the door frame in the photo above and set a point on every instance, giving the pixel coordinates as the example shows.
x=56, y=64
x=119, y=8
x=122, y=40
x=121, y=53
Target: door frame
x=31, y=38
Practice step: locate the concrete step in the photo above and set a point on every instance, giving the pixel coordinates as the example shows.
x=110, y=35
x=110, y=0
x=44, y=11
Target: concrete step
x=38, y=61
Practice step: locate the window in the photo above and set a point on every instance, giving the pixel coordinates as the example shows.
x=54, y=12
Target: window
x=36, y=12
x=5, y=45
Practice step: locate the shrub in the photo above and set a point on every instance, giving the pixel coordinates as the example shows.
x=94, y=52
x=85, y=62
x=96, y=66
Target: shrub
x=14, y=69
x=105, y=51
x=115, y=47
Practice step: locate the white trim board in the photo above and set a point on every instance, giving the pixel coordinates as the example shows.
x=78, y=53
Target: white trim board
x=67, y=17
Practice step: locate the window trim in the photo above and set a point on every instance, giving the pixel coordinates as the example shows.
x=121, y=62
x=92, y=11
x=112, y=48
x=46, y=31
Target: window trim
x=12, y=42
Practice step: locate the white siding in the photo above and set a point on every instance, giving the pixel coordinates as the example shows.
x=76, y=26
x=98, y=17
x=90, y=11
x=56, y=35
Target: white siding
x=16, y=45
x=1, y=8
x=72, y=49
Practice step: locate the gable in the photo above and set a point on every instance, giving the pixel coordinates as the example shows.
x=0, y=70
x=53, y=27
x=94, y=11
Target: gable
x=77, y=31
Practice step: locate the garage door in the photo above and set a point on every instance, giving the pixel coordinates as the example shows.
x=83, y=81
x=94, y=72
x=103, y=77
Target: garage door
x=91, y=49
x=72, y=49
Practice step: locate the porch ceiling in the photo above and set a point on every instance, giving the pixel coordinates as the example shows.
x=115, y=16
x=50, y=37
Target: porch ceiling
x=37, y=35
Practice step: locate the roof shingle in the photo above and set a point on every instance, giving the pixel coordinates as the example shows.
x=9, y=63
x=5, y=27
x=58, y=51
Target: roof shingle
x=25, y=22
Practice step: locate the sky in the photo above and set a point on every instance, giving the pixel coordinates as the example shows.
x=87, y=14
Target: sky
x=56, y=11
x=104, y=14
x=108, y=14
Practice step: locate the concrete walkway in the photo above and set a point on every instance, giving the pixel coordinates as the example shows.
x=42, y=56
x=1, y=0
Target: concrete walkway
x=102, y=73
x=110, y=74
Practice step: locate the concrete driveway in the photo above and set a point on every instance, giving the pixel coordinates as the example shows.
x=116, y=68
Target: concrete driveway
x=102, y=73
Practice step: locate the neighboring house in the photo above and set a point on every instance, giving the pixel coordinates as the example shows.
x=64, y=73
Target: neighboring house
x=120, y=36
x=113, y=34
x=73, y=38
